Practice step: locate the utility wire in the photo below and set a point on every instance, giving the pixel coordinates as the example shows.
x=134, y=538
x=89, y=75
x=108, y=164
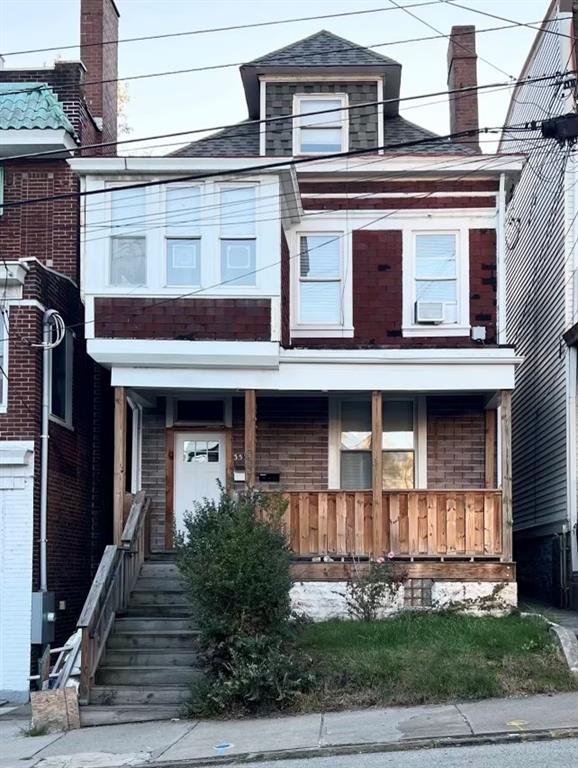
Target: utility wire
x=284, y=163
x=288, y=57
x=448, y=37
x=207, y=31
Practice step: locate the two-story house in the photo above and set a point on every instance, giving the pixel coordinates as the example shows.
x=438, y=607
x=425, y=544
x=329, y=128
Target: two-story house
x=311, y=302
x=542, y=317
x=55, y=486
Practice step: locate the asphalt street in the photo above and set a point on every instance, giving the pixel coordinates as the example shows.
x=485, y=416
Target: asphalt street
x=562, y=753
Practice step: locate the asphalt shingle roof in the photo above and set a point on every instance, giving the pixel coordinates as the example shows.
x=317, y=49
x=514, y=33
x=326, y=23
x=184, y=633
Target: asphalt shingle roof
x=242, y=140
x=31, y=105
x=323, y=49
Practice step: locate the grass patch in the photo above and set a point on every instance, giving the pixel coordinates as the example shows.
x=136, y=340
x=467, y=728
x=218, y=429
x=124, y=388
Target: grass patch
x=425, y=658
x=35, y=730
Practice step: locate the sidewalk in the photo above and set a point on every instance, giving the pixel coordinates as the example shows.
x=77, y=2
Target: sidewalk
x=164, y=743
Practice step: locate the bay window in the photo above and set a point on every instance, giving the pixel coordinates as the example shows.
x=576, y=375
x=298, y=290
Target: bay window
x=183, y=235
x=320, y=280
x=238, y=235
x=398, y=444
x=128, y=239
x=320, y=133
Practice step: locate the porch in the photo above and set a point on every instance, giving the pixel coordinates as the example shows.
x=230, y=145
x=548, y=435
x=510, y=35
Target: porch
x=337, y=468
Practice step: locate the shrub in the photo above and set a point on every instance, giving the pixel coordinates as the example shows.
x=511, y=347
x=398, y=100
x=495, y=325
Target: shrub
x=236, y=566
x=235, y=561
x=367, y=590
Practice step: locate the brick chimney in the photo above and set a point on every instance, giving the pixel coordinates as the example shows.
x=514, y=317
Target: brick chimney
x=98, y=24
x=462, y=73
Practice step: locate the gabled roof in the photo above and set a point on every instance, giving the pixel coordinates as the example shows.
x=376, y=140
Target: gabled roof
x=31, y=105
x=324, y=49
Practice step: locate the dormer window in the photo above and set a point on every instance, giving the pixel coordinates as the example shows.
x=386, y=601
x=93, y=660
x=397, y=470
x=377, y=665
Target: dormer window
x=318, y=134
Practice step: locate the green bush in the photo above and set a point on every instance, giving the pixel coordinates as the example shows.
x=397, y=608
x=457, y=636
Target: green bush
x=368, y=590
x=235, y=560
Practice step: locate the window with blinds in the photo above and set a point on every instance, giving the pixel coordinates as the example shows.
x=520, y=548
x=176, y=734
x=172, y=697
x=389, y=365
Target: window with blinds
x=128, y=239
x=320, y=279
x=398, y=444
x=436, y=277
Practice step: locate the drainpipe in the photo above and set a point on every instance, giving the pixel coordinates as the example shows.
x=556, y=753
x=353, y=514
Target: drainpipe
x=501, y=262
x=51, y=320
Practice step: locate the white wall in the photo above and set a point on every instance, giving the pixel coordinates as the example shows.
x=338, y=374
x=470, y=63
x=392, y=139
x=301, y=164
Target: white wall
x=16, y=536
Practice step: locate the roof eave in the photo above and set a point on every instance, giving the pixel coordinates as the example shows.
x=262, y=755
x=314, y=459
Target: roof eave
x=251, y=74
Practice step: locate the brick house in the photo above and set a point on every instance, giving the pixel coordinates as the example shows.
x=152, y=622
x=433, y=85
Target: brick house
x=328, y=327
x=54, y=521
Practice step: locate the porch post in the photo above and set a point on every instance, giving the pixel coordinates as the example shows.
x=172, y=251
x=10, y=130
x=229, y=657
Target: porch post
x=250, y=438
x=377, y=473
x=119, y=461
x=490, y=415
x=506, y=446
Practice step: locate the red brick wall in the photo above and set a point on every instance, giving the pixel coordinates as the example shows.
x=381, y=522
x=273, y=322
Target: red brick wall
x=395, y=203
x=77, y=506
x=377, y=293
x=191, y=319
x=44, y=231
x=98, y=23
x=414, y=186
x=285, y=292
x=456, y=442
x=462, y=73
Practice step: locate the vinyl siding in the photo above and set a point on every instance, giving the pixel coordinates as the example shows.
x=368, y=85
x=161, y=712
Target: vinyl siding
x=536, y=306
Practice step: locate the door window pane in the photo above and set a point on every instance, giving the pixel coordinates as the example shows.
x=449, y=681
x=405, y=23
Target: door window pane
x=128, y=261
x=183, y=262
x=238, y=211
x=320, y=303
x=182, y=215
x=320, y=256
x=238, y=262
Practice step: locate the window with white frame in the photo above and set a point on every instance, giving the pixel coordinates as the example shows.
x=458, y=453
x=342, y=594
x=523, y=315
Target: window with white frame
x=238, y=235
x=320, y=280
x=183, y=235
x=398, y=444
x=436, y=278
x=322, y=124
x=61, y=372
x=4, y=335
x=128, y=237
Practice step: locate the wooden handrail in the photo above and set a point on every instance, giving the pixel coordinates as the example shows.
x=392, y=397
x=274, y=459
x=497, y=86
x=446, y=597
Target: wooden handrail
x=110, y=591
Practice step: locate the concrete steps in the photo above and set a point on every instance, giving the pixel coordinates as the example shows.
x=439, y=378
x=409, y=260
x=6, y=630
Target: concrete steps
x=152, y=654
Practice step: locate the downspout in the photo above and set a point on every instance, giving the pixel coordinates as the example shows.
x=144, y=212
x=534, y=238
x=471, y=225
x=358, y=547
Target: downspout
x=501, y=261
x=51, y=320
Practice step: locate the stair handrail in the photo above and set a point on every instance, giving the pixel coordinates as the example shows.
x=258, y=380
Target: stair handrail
x=109, y=593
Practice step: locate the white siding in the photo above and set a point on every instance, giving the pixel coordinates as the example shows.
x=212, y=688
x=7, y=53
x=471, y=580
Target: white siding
x=535, y=268
x=16, y=532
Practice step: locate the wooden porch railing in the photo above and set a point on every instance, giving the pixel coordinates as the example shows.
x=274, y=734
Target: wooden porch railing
x=431, y=524
x=110, y=591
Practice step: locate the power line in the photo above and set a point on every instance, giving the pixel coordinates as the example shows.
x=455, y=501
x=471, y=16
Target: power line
x=249, y=125
x=288, y=57
x=528, y=24
x=252, y=25
x=449, y=37
x=380, y=177
x=287, y=162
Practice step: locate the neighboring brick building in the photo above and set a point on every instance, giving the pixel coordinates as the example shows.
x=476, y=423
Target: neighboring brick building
x=49, y=111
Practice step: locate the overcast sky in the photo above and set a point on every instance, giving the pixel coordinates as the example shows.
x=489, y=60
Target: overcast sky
x=202, y=99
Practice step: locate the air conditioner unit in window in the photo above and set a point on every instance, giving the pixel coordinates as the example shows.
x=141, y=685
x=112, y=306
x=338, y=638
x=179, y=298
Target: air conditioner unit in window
x=429, y=312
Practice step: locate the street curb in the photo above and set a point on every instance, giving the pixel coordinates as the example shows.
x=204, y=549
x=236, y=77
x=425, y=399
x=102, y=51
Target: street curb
x=516, y=737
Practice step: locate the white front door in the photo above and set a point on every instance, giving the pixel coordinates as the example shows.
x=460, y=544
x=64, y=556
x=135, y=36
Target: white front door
x=199, y=465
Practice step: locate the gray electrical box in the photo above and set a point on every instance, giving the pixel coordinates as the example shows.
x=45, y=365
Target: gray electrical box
x=43, y=618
